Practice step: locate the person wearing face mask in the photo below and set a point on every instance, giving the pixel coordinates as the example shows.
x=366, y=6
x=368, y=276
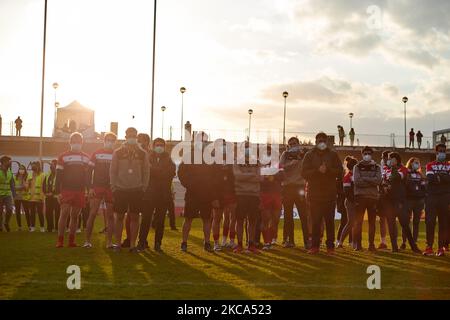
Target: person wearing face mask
x=36, y=195
x=348, y=185
x=394, y=188
x=100, y=189
x=7, y=191
x=438, y=200
x=143, y=141
x=224, y=179
x=129, y=177
x=321, y=167
x=247, y=176
x=367, y=178
x=21, y=198
x=381, y=202
x=415, y=196
x=52, y=207
x=72, y=180
x=158, y=194
x=293, y=192
x=201, y=195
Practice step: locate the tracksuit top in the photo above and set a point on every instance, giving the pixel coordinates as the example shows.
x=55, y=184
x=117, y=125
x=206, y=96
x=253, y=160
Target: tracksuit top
x=394, y=183
x=367, y=178
x=441, y=185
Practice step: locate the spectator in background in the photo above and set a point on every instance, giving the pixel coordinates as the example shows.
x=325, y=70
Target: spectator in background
x=18, y=124
x=341, y=133
x=352, y=137
x=348, y=185
x=415, y=196
x=35, y=182
x=129, y=174
x=412, y=135
x=437, y=202
x=7, y=191
x=419, y=137
x=367, y=178
x=21, y=198
x=52, y=207
x=293, y=192
x=321, y=167
x=443, y=139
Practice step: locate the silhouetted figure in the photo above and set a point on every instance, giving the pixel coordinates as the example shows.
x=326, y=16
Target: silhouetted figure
x=352, y=136
x=341, y=133
x=443, y=139
x=18, y=123
x=412, y=136
x=419, y=137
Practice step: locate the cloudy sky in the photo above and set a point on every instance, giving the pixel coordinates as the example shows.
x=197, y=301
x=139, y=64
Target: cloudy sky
x=334, y=57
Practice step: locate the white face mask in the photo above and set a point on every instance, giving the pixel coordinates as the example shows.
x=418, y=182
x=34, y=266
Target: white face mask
x=415, y=166
x=75, y=146
x=322, y=146
x=109, y=145
x=367, y=158
x=132, y=141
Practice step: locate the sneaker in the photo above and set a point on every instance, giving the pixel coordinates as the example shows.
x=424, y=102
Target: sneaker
x=382, y=246
x=217, y=247
x=372, y=248
x=232, y=244
x=207, y=246
x=133, y=250
x=428, y=252
x=87, y=245
x=267, y=247
x=32, y=229
x=417, y=250
x=224, y=244
x=357, y=249
x=140, y=248
x=184, y=246
x=440, y=253
x=78, y=230
x=59, y=244
x=253, y=249
x=403, y=246
x=117, y=248
x=42, y=229
x=340, y=246
x=313, y=251
x=72, y=245
x=288, y=245
x=126, y=243
x=238, y=249
x=274, y=242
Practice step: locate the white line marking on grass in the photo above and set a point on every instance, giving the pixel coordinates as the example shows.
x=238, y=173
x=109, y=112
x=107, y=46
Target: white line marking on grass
x=218, y=284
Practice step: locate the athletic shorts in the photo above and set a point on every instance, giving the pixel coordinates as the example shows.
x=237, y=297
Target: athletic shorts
x=103, y=193
x=271, y=201
x=247, y=207
x=127, y=201
x=194, y=209
x=73, y=198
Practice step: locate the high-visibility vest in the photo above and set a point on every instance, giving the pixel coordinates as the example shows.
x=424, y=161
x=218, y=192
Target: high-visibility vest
x=5, y=183
x=21, y=189
x=50, y=182
x=35, y=187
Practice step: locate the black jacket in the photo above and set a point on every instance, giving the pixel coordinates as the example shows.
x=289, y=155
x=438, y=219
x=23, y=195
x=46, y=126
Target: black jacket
x=162, y=171
x=199, y=181
x=321, y=186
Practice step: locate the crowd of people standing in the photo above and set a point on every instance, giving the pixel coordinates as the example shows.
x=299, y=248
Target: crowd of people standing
x=133, y=185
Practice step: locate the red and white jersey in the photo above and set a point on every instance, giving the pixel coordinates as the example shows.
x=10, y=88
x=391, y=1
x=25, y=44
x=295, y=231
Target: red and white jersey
x=100, y=163
x=436, y=167
x=72, y=170
x=348, y=179
x=387, y=172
